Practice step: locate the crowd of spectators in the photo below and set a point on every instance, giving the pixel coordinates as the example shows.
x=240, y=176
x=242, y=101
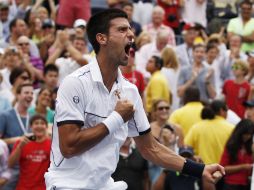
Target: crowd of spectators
x=192, y=62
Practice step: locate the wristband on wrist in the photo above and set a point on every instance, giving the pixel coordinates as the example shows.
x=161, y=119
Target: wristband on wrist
x=193, y=168
x=113, y=122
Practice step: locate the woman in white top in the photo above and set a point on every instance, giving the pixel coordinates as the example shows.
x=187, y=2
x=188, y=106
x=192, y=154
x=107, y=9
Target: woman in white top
x=171, y=71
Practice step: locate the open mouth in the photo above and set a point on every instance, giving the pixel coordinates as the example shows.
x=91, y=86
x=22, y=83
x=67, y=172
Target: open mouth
x=129, y=50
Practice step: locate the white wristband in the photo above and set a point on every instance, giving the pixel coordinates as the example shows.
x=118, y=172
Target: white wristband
x=113, y=122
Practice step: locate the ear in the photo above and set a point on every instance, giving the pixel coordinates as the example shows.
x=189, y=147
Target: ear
x=101, y=38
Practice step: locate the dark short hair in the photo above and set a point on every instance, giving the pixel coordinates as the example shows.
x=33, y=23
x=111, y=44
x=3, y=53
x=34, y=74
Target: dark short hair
x=20, y=87
x=248, y=2
x=13, y=23
x=191, y=94
x=158, y=61
x=50, y=67
x=100, y=23
x=37, y=117
x=16, y=72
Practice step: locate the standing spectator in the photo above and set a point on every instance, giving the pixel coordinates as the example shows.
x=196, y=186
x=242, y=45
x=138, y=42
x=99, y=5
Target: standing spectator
x=191, y=110
x=243, y=26
x=171, y=71
x=157, y=87
x=135, y=26
x=197, y=74
x=75, y=10
x=237, y=157
x=184, y=51
x=172, y=10
x=237, y=91
x=157, y=25
x=33, y=155
x=211, y=133
x=143, y=11
x=194, y=11
x=134, y=76
x=132, y=167
x=14, y=124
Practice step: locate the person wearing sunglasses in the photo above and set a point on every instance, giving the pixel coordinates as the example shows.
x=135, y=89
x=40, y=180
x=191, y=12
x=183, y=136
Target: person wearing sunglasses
x=237, y=91
x=17, y=77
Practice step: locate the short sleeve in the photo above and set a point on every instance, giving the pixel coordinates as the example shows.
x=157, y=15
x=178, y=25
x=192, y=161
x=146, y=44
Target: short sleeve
x=230, y=27
x=70, y=102
x=139, y=124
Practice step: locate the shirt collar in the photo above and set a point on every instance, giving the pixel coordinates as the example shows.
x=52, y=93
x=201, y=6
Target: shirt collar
x=96, y=72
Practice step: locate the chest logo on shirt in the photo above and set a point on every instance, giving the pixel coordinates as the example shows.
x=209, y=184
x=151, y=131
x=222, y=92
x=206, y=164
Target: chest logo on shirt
x=75, y=99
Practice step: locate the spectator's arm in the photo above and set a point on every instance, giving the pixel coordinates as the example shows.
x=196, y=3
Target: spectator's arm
x=75, y=54
x=15, y=155
x=248, y=39
x=37, y=5
x=3, y=181
x=35, y=73
x=52, y=7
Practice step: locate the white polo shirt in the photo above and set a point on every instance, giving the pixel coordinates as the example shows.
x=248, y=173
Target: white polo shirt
x=83, y=99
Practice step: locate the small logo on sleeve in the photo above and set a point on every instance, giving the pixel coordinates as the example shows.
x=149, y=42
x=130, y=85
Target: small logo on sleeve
x=76, y=99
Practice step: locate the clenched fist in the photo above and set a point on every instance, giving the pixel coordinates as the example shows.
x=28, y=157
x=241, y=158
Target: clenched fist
x=125, y=109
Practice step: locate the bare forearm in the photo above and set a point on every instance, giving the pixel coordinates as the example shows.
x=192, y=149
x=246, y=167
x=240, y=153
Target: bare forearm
x=56, y=54
x=80, y=140
x=14, y=157
x=159, y=154
x=2, y=181
x=211, y=90
x=233, y=169
x=248, y=39
x=76, y=55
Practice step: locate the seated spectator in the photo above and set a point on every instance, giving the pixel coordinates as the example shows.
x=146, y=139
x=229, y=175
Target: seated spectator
x=243, y=25
x=42, y=105
x=157, y=24
x=128, y=9
x=237, y=91
x=11, y=59
x=33, y=155
x=237, y=156
x=132, y=167
x=18, y=77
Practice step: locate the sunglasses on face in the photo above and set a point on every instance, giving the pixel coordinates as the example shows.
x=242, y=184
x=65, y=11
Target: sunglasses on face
x=24, y=77
x=163, y=107
x=236, y=67
x=23, y=44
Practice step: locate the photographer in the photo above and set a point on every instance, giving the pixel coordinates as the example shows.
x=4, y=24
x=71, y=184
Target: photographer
x=33, y=154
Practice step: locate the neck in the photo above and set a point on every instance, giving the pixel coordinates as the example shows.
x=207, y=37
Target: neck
x=161, y=122
x=41, y=109
x=197, y=64
x=156, y=25
x=239, y=79
x=22, y=110
x=40, y=138
x=108, y=69
x=209, y=61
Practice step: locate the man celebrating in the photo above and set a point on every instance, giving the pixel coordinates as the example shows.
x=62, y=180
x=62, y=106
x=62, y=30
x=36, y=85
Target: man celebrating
x=97, y=109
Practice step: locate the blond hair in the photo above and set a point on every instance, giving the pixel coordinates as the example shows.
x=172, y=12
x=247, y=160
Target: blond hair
x=243, y=65
x=169, y=58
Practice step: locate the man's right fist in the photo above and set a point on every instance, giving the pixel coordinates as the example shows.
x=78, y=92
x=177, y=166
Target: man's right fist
x=125, y=109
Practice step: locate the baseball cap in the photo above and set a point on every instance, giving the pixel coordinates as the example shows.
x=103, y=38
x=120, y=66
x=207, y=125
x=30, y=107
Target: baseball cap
x=249, y=103
x=186, y=151
x=48, y=23
x=79, y=23
x=4, y=5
